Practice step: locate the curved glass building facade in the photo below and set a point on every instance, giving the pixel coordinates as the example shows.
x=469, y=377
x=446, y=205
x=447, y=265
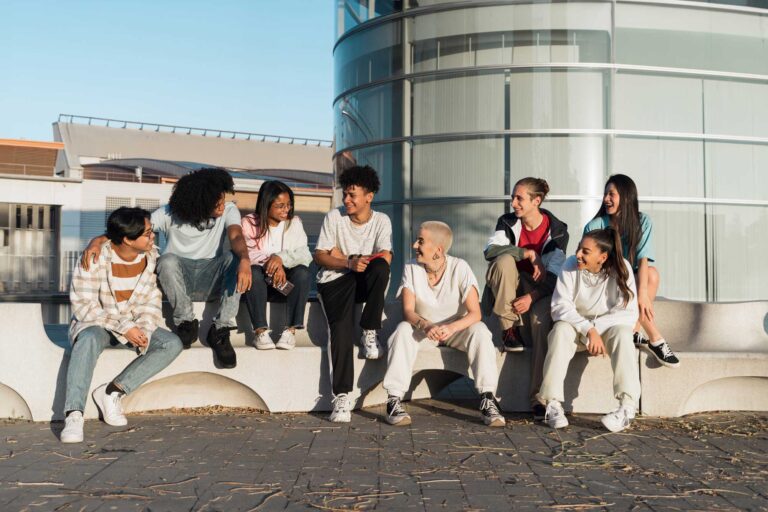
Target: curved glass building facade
x=454, y=101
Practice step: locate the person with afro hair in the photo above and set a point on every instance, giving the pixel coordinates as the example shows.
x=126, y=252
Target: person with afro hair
x=354, y=250
x=196, y=264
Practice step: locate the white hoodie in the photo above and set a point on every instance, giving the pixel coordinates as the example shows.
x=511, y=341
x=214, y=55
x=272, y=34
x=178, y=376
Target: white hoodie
x=584, y=306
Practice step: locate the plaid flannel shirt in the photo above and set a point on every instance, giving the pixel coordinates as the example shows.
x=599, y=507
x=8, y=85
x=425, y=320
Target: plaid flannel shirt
x=94, y=304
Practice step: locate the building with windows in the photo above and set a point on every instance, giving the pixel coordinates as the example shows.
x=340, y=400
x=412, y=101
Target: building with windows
x=56, y=196
x=453, y=101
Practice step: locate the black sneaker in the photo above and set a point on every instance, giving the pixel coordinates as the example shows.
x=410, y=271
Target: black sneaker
x=187, y=332
x=664, y=354
x=639, y=339
x=218, y=339
x=396, y=414
x=512, y=342
x=489, y=410
x=539, y=412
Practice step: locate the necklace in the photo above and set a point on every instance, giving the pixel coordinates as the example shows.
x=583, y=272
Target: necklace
x=434, y=274
x=593, y=280
x=360, y=223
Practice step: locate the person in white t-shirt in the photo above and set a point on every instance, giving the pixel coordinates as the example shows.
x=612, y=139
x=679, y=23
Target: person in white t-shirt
x=594, y=307
x=354, y=250
x=441, y=306
x=277, y=246
x=196, y=264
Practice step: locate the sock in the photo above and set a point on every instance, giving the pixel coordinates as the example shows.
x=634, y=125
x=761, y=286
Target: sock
x=111, y=388
x=658, y=342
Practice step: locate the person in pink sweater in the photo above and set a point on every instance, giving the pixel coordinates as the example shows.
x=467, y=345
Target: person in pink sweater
x=280, y=258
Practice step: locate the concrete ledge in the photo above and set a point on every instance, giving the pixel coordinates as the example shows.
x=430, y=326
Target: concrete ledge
x=278, y=381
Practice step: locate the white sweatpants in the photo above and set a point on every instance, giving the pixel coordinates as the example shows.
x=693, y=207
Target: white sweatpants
x=563, y=345
x=476, y=340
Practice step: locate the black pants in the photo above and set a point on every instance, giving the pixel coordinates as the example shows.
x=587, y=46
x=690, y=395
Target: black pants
x=260, y=293
x=338, y=299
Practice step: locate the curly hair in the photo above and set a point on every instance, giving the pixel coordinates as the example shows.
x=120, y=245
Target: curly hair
x=195, y=196
x=361, y=176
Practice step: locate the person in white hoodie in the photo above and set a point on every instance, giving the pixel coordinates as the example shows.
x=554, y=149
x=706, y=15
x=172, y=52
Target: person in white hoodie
x=594, y=307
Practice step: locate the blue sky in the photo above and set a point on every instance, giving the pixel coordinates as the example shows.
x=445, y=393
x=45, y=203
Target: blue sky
x=261, y=66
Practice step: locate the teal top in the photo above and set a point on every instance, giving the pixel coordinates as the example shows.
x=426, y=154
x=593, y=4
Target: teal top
x=644, y=245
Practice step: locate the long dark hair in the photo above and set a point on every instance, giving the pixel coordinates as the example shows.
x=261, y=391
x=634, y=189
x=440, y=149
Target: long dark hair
x=268, y=193
x=627, y=219
x=608, y=240
x=195, y=195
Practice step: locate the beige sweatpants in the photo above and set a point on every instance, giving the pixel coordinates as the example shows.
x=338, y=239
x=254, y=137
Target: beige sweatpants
x=475, y=340
x=507, y=284
x=563, y=345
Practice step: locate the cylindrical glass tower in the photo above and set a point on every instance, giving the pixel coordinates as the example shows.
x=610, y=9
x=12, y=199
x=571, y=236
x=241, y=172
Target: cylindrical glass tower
x=454, y=101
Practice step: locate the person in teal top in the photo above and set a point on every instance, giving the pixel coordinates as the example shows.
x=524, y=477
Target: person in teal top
x=620, y=210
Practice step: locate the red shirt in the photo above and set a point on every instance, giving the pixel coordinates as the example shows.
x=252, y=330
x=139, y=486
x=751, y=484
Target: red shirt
x=533, y=240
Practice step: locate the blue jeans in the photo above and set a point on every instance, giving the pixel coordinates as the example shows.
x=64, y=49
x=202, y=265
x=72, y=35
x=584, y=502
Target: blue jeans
x=184, y=280
x=164, y=346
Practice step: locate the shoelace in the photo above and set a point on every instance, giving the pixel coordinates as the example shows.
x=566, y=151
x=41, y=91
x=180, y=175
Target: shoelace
x=551, y=411
x=116, y=399
x=370, y=338
x=397, y=406
x=666, y=351
x=341, y=402
x=488, y=405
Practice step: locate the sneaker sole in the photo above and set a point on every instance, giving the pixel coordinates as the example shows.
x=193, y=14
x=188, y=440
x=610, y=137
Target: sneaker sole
x=266, y=347
x=284, y=347
x=71, y=441
x=495, y=423
x=514, y=349
x=404, y=422
x=340, y=420
x=602, y=420
x=661, y=361
x=100, y=392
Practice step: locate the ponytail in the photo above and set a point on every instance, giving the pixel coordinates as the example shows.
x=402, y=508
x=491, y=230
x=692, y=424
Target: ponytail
x=609, y=242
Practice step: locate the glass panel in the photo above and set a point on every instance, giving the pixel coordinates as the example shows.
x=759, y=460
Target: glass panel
x=351, y=13
x=662, y=167
x=388, y=161
x=556, y=100
x=458, y=104
x=658, y=103
x=506, y=34
x=471, y=223
x=369, y=55
x=690, y=38
x=5, y=217
x=400, y=251
x=472, y=167
x=737, y=171
x=733, y=108
x=571, y=165
x=679, y=244
x=740, y=246
x=369, y=115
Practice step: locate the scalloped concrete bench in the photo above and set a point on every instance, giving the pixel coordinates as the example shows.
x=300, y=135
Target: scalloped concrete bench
x=724, y=353
x=33, y=359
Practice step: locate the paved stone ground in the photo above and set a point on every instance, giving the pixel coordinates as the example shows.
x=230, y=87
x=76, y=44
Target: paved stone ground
x=243, y=460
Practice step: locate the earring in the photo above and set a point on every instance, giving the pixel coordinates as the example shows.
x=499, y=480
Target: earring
x=435, y=256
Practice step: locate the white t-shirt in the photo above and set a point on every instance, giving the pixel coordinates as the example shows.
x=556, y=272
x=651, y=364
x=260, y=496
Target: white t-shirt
x=445, y=301
x=276, y=238
x=191, y=242
x=340, y=232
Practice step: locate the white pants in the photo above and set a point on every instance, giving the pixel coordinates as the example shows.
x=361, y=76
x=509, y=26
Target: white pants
x=563, y=345
x=476, y=340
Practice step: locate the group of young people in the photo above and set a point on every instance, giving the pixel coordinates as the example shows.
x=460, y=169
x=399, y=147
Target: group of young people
x=212, y=253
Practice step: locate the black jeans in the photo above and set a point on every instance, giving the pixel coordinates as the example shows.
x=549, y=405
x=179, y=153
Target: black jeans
x=338, y=299
x=261, y=293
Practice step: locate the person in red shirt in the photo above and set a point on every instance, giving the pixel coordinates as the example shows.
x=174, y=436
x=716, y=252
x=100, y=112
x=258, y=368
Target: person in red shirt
x=525, y=255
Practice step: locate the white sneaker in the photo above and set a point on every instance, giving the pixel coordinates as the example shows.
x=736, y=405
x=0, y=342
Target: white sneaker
x=287, y=340
x=619, y=419
x=264, y=340
x=342, y=409
x=110, y=406
x=73, y=428
x=371, y=345
x=555, y=415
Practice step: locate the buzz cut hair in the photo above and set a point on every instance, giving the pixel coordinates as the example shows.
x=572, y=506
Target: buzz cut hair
x=441, y=232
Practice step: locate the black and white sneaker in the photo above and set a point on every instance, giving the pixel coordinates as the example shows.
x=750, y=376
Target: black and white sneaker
x=512, y=342
x=396, y=414
x=639, y=339
x=218, y=339
x=489, y=410
x=187, y=332
x=663, y=354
